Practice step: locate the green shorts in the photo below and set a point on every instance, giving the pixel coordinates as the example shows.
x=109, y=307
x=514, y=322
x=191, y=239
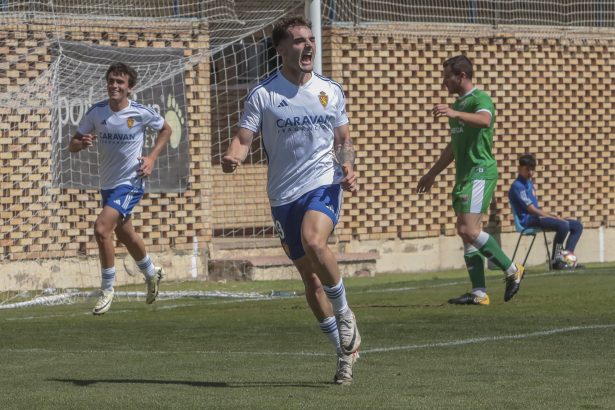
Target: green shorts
x=473, y=196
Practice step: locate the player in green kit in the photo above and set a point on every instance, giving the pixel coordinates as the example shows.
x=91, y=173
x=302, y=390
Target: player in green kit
x=471, y=119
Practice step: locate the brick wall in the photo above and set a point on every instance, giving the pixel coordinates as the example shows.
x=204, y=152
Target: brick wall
x=39, y=221
x=553, y=97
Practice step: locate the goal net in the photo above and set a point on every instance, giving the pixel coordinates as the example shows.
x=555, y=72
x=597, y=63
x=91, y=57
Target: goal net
x=465, y=16
x=196, y=61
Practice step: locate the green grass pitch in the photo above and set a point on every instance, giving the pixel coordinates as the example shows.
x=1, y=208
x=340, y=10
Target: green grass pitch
x=552, y=346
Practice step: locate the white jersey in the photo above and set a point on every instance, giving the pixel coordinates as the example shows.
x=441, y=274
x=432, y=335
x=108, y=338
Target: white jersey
x=120, y=136
x=296, y=124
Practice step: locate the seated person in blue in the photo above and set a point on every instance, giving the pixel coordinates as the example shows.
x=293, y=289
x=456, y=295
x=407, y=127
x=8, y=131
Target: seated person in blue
x=523, y=199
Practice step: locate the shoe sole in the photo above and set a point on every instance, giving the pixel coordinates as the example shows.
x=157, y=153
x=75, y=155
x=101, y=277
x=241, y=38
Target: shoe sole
x=509, y=298
x=160, y=275
x=344, y=382
x=518, y=285
x=468, y=304
x=468, y=301
x=506, y=299
x=355, y=343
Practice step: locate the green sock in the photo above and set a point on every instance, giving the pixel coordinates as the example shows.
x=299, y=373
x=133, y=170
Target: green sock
x=475, y=262
x=492, y=251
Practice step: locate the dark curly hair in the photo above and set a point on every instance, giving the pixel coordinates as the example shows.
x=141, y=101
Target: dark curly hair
x=282, y=27
x=122, y=68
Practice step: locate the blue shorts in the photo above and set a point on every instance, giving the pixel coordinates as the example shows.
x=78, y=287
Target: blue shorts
x=122, y=198
x=288, y=218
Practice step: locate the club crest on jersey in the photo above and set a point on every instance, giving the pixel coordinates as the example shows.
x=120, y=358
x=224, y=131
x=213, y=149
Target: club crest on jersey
x=324, y=99
x=130, y=122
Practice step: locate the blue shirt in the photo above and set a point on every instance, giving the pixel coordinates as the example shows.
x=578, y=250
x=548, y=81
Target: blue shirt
x=522, y=194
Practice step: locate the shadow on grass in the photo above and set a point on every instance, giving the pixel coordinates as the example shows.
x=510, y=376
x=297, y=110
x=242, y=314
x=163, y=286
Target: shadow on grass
x=230, y=385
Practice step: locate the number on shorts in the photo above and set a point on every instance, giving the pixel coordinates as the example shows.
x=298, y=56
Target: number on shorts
x=279, y=230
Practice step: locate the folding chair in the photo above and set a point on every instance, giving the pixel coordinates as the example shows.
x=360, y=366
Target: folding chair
x=529, y=232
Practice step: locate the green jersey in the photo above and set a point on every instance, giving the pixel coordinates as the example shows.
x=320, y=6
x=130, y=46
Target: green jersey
x=471, y=145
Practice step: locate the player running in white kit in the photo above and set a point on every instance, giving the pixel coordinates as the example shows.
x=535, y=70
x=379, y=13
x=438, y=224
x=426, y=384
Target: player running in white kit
x=302, y=120
x=117, y=126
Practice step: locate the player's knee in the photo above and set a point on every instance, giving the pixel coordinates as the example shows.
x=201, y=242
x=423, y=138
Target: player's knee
x=313, y=244
x=467, y=234
x=576, y=226
x=101, y=231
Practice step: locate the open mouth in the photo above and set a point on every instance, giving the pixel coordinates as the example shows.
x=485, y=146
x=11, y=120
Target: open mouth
x=306, y=58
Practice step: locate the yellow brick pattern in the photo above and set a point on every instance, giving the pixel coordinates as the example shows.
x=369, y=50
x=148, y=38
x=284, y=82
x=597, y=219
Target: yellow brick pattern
x=553, y=98
x=240, y=200
x=40, y=221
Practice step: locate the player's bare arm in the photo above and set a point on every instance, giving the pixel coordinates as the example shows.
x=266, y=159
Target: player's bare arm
x=147, y=163
x=345, y=155
x=237, y=150
x=80, y=142
x=444, y=161
x=478, y=119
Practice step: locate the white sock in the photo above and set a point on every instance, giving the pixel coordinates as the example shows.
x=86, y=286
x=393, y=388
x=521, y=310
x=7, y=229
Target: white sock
x=108, y=277
x=467, y=249
x=481, y=239
x=329, y=327
x=512, y=269
x=146, y=266
x=337, y=297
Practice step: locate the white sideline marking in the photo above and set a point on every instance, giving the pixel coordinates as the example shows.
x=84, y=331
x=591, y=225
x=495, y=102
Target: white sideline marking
x=384, y=290
x=462, y=342
x=464, y=282
x=446, y=284
x=441, y=285
x=452, y=343
x=88, y=312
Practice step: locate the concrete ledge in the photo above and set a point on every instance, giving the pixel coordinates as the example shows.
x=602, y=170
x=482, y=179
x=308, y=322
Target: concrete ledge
x=229, y=248
x=280, y=267
x=263, y=263
x=84, y=272
x=446, y=252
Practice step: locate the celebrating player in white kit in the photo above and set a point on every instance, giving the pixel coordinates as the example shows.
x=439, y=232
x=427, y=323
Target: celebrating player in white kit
x=117, y=126
x=302, y=119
